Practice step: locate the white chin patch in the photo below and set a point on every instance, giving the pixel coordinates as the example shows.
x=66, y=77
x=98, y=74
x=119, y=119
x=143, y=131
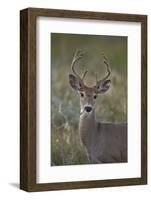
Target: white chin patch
x=82, y=111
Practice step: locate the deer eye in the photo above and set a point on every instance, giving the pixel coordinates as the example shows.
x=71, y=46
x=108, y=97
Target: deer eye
x=95, y=96
x=81, y=94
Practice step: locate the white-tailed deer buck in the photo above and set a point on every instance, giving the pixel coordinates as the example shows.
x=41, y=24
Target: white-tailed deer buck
x=104, y=142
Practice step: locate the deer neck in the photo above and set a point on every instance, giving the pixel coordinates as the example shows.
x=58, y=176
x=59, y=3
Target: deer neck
x=87, y=127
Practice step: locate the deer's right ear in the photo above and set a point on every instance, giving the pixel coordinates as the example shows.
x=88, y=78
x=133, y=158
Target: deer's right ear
x=75, y=82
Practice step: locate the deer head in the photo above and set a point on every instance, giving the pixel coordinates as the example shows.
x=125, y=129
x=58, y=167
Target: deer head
x=87, y=94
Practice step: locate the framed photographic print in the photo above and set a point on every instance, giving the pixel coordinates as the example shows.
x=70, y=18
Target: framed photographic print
x=83, y=99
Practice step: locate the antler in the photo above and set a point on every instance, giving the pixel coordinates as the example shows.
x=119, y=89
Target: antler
x=77, y=56
x=108, y=70
x=107, y=67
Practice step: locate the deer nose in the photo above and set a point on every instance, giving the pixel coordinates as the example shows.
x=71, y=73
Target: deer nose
x=88, y=108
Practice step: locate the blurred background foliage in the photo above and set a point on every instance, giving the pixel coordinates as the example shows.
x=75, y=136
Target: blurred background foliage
x=66, y=148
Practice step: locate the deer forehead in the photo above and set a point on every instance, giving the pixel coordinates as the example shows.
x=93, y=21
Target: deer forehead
x=89, y=91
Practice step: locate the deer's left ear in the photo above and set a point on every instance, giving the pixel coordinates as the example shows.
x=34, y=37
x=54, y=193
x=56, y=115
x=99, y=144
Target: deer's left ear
x=103, y=86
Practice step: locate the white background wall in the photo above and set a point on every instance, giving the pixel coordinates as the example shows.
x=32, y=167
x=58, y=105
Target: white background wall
x=9, y=98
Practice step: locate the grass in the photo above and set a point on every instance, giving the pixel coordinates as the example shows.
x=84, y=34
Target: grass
x=66, y=147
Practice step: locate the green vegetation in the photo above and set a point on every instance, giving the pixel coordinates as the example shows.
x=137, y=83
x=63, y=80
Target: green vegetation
x=66, y=148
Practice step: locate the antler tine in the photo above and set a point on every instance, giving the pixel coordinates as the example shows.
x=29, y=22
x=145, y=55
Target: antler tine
x=84, y=74
x=78, y=55
x=107, y=67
